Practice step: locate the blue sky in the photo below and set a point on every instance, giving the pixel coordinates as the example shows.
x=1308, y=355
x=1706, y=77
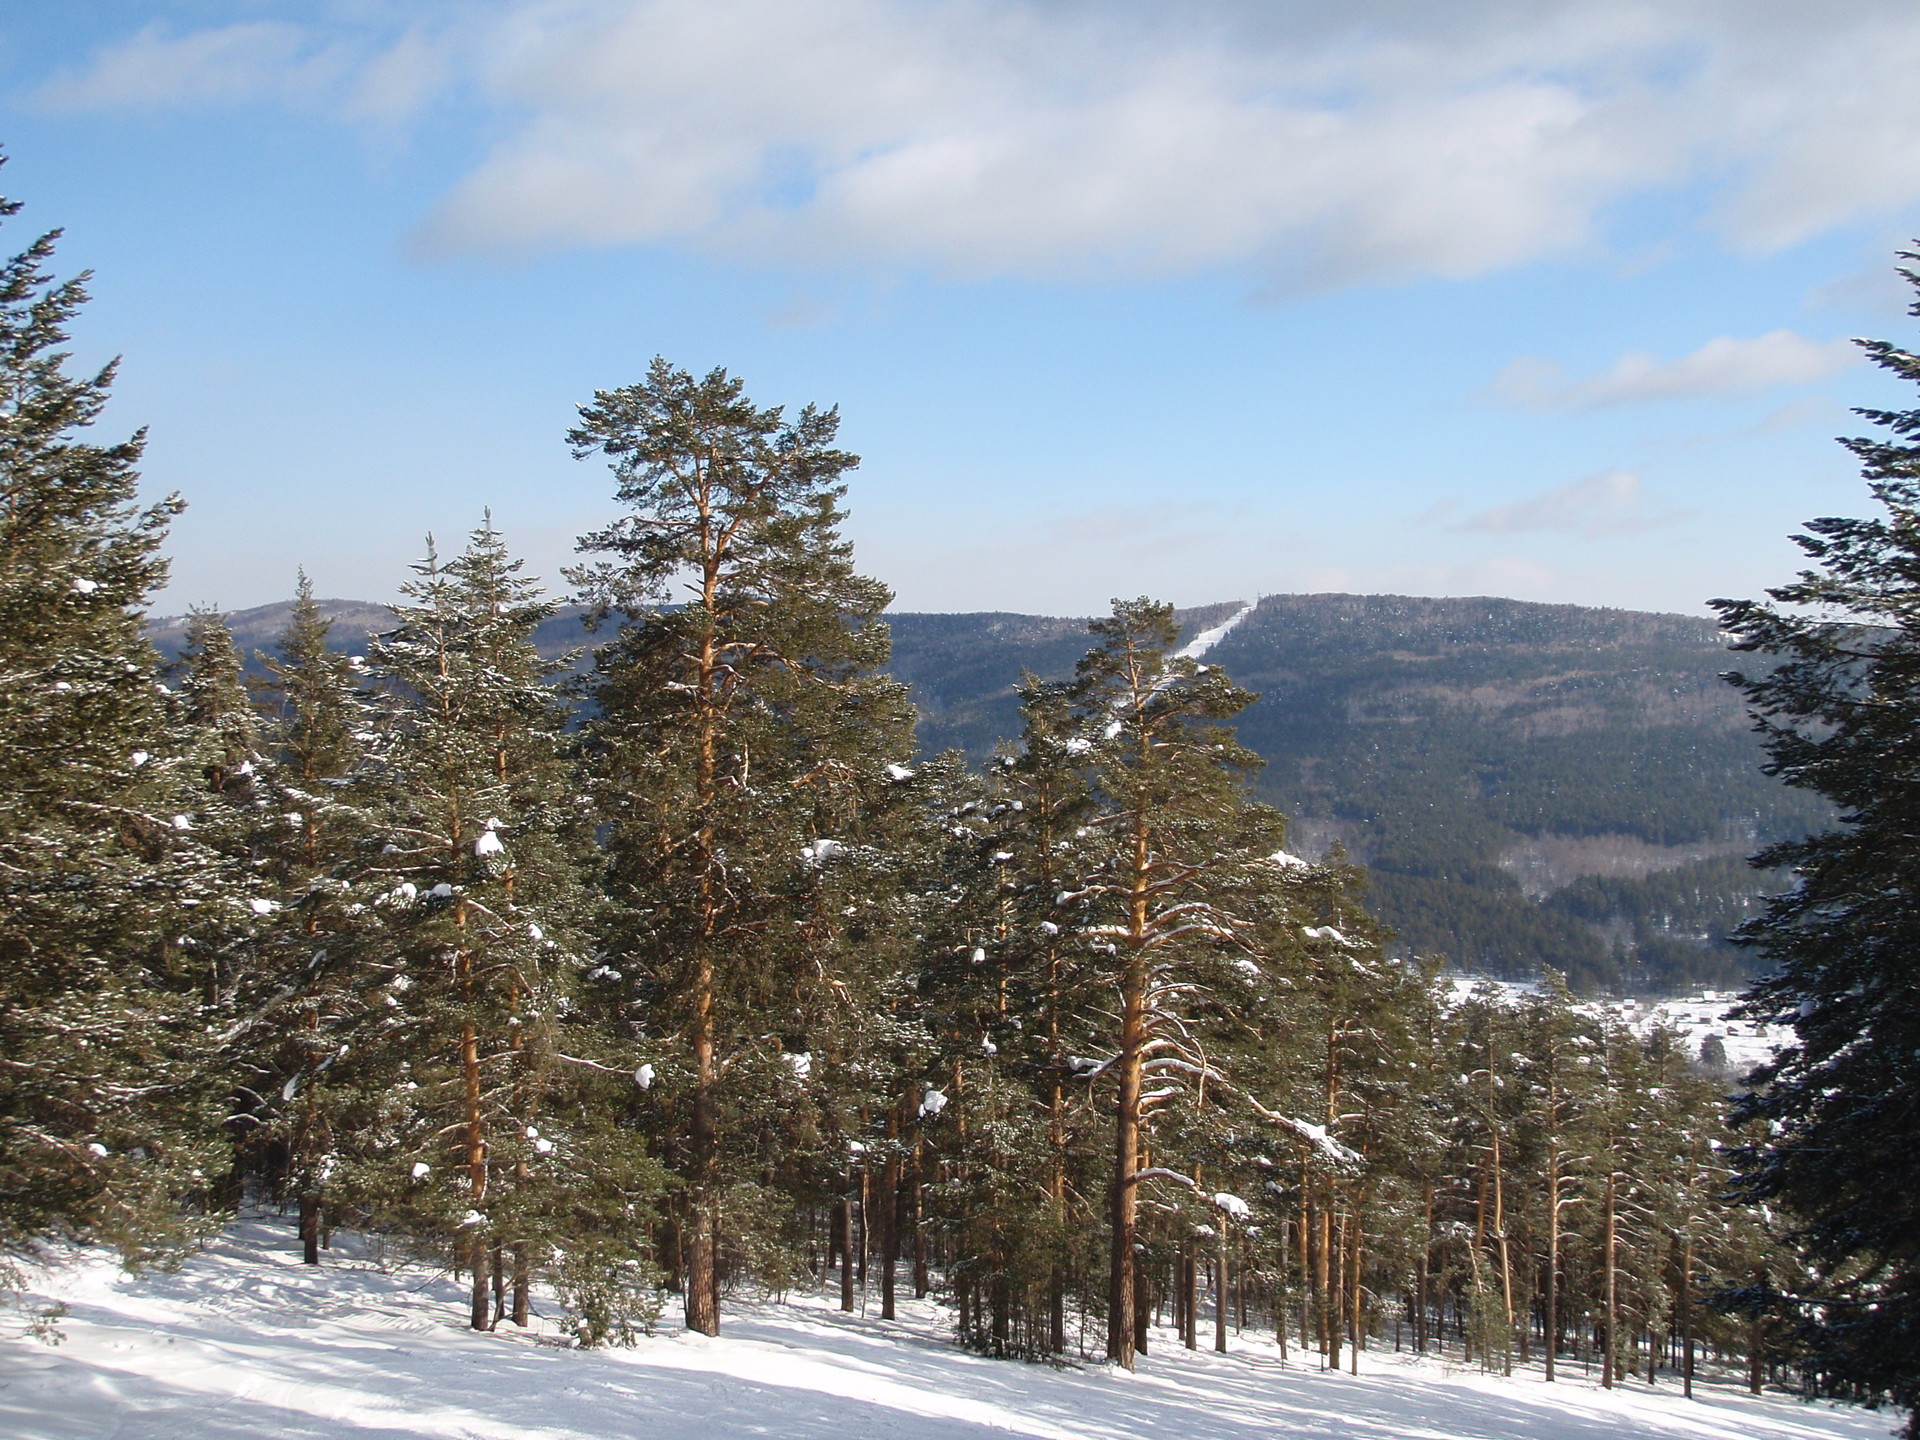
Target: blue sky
x=1505, y=297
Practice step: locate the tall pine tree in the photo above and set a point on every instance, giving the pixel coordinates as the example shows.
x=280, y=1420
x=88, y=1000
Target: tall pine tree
x=733, y=736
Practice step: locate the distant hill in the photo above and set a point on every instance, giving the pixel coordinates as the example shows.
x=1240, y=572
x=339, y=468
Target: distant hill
x=1528, y=783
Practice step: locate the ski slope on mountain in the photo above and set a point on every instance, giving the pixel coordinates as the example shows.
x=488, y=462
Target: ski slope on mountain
x=243, y=1343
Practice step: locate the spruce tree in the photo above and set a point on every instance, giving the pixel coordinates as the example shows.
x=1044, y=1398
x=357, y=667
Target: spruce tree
x=108, y=1124
x=735, y=735
x=1835, y=1114
x=323, y=736
x=500, y=1144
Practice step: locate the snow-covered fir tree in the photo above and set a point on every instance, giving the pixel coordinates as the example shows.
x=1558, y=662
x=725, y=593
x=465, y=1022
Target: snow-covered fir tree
x=109, y=1119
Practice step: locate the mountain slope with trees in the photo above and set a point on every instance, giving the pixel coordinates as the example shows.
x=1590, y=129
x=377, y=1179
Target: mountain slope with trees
x=1528, y=784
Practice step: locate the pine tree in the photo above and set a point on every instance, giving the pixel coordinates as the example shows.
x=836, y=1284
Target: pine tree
x=502, y=1145
x=108, y=1125
x=734, y=736
x=1835, y=1113
x=1174, y=840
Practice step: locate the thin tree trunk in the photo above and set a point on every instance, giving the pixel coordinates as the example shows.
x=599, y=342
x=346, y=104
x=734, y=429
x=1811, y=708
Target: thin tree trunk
x=1424, y=1281
x=1610, y=1261
x=1686, y=1319
x=703, y=1315
x=1280, y=1293
x=1553, y=1258
x=846, y=1252
x=1057, y=1198
x=1220, y=1292
x=889, y=1201
x=1333, y=1312
x=863, y=1221
x=1500, y=1238
x=1126, y=1147
x=1356, y=1295
x=1189, y=1296
x=476, y=1152
x=921, y=1283
x=1308, y=1274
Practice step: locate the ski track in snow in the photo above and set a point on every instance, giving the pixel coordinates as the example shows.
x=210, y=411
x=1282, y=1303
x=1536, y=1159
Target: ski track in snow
x=1207, y=639
x=244, y=1343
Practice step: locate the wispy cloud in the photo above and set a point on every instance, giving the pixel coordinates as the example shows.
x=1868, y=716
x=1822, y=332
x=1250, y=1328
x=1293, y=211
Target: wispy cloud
x=260, y=60
x=1610, y=503
x=1322, y=142
x=1720, y=367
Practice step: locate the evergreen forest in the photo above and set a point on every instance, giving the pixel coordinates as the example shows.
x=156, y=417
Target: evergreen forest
x=1529, y=785
x=678, y=969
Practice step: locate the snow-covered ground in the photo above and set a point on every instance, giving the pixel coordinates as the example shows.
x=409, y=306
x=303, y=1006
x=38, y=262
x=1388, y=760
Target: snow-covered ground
x=1698, y=1016
x=1694, y=1016
x=243, y=1343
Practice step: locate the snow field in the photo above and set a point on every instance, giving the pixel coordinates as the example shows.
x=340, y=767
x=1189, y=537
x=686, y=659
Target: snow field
x=244, y=1343
x=1695, y=1017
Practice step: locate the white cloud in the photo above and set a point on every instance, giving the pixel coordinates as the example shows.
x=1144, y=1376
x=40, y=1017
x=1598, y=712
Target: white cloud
x=235, y=63
x=1322, y=142
x=400, y=80
x=1724, y=366
x=1610, y=503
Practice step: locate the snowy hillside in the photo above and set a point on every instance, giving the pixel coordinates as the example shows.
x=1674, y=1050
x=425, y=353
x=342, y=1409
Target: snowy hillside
x=245, y=1344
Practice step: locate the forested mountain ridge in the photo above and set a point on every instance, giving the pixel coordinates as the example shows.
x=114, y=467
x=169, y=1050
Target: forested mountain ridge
x=1527, y=783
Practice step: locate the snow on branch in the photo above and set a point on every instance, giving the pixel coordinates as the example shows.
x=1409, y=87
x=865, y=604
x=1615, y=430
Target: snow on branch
x=1331, y=1150
x=1157, y=1173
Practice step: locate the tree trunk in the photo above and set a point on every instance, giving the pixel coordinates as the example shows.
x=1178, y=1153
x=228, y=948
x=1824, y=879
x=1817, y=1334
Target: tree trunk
x=1057, y=1197
x=476, y=1155
x=1424, y=1298
x=1220, y=1292
x=310, y=1229
x=846, y=1252
x=522, y=1283
x=1333, y=1268
x=1500, y=1239
x=1142, y=1313
x=1356, y=1296
x=703, y=1313
x=1280, y=1293
x=1126, y=1144
x=921, y=1282
x=1190, y=1297
x=1553, y=1258
x=1610, y=1259
x=1308, y=1274
x=1686, y=1319
x=889, y=1202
